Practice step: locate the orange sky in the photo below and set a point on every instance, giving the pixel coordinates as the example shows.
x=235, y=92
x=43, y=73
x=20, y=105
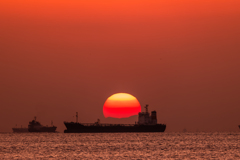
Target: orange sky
x=61, y=56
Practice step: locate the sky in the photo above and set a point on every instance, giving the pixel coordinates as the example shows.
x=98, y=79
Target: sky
x=59, y=57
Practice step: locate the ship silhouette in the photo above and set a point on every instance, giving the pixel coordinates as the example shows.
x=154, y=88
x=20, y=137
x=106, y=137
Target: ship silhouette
x=146, y=123
x=35, y=126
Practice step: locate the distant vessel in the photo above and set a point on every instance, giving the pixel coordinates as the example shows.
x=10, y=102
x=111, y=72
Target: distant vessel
x=20, y=130
x=239, y=126
x=146, y=123
x=35, y=126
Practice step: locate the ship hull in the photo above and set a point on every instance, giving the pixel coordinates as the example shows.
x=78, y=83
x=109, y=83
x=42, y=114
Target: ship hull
x=42, y=129
x=20, y=130
x=81, y=128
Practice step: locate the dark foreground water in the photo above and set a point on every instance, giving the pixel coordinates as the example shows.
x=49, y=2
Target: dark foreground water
x=120, y=146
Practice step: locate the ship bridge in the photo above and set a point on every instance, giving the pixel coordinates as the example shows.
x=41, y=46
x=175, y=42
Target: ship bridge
x=144, y=118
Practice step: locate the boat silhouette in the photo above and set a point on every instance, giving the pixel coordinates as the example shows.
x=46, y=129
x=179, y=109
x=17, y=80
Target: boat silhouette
x=146, y=123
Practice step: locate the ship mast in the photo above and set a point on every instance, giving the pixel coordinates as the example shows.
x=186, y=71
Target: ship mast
x=76, y=117
x=146, y=108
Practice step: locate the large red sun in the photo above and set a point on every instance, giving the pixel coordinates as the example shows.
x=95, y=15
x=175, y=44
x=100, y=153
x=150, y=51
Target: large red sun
x=121, y=105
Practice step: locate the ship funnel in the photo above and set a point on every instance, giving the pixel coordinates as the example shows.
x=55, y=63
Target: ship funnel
x=154, y=115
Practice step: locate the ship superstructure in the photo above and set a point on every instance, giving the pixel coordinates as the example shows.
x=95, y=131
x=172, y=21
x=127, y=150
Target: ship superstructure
x=146, y=123
x=144, y=118
x=35, y=126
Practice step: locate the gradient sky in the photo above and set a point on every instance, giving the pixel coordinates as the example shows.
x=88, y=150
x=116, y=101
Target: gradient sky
x=179, y=56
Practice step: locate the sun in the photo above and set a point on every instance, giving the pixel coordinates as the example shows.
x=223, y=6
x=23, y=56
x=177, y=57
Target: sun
x=121, y=105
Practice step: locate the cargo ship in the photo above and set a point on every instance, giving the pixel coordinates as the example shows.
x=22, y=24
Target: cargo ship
x=146, y=123
x=35, y=126
x=19, y=130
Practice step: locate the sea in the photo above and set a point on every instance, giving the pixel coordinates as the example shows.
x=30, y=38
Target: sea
x=195, y=145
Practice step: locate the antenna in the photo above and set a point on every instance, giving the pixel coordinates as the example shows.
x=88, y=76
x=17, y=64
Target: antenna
x=35, y=118
x=76, y=117
x=146, y=108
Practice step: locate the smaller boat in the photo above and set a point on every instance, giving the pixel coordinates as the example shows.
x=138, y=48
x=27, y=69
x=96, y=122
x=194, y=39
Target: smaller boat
x=35, y=126
x=19, y=130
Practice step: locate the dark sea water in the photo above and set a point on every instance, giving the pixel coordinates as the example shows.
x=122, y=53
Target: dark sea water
x=120, y=146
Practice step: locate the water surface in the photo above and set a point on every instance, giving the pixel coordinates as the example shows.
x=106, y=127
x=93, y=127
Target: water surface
x=120, y=145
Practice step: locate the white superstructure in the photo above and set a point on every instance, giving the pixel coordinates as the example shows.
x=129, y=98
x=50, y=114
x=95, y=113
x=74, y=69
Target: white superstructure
x=145, y=119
